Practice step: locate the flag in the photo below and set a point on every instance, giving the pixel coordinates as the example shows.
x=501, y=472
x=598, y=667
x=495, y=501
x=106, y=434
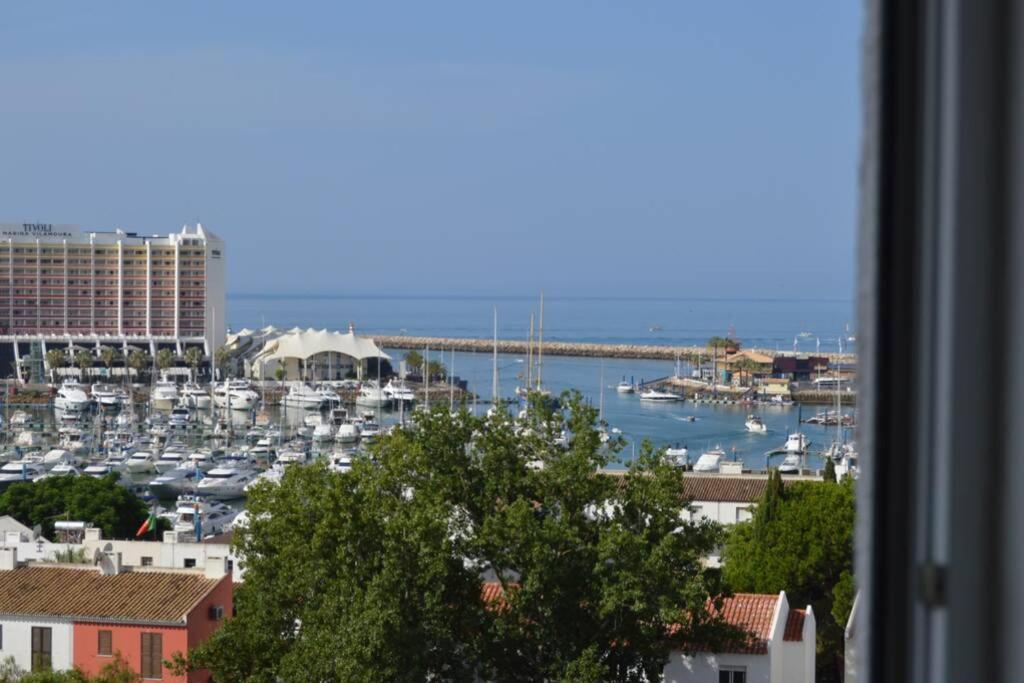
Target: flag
x=148, y=525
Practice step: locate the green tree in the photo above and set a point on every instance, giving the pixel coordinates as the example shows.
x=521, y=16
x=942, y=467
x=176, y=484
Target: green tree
x=194, y=358
x=102, y=502
x=436, y=369
x=280, y=373
x=116, y=671
x=800, y=540
x=164, y=359
x=375, y=574
x=138, y=361
x=830, y=471
x=109, y=356
x=83, y=359
x=221, y=357
x=56, y=359
x=413, y=360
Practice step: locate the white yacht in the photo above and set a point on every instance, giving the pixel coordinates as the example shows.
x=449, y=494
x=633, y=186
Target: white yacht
x=99, y=470
x=226, y=483
x=680, y=455
x=116, y=462
x=323, y=431
x=140, y=462
x=180, y=417
x=371, y=394
x=790, y=464
x=203, y=459
x=369, y=431
x=76, y=440
x=797, y=443
x=20, y=419
x=755, y=424
x=63, y=470
x=625, y=387
x=301, y=395
x=57, y=456
x=348, y=432
x=169, y=459
x=709, y=460
x=341, y=462
x=399, y=393
x=194, y=396
x=21, y=470
x=274, y=475
x=330, y=396
x=71, y=396
x=107, y=395
x=28, y=438
x=171, y=483
x=194, y=515
x=238, y=393
x=164, y=394
x=659, y=396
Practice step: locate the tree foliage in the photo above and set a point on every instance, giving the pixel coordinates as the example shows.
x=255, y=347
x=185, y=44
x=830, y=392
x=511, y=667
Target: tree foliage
x=193, y=359
x=376, y=574
x=109, y=355
x=164, y=358
x=138, y=360
x=413, y=359
x=101, y=501
x=800, y=540
x=84, y=360
x=56, y=358
x=115, y=671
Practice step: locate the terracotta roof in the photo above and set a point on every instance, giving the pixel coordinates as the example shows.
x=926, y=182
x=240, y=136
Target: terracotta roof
x=86, y=594
x=724, y=489
x=795, y=625
x=751, y=612
x=493, y=595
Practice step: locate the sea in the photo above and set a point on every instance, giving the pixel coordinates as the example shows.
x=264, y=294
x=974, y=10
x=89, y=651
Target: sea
x=804, y=325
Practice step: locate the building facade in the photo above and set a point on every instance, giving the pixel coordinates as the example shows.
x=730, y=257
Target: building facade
x=69, y=287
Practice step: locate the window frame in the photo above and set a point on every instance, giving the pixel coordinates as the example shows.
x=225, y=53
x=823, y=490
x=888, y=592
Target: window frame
x=42, y=646
x=100, y=634
x=151, y=656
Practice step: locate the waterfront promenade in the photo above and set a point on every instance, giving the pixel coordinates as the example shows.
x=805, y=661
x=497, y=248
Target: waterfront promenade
x=582, y=349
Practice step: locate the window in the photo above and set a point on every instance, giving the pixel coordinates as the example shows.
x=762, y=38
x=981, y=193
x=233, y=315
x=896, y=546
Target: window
x=732, y=675
x=42, y=655
x=147, y=561
x=104, y=645
x=190, y=562
x=152, y=655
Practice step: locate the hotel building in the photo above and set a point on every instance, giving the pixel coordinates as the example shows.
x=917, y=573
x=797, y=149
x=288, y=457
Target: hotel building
x=62, y=285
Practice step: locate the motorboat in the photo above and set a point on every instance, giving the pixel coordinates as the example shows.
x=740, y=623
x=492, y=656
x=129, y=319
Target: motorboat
x=64, y=469
x=140, y=462
x=625, y=387
x=226, y=483
x=76, y=440
x=797, y=443
x=203, y=460
x=238, y=393
x=26, y=469
x=99, y=470
x=20, y=419
x=171, y=483
x=348, y=432
x=371, y=394
x=755, y=424
x=108, y=395
x=790, y=464
x=398, y=392
x=709, y=460
x=369, y=431
x=273, y=475
x=164, y=393
x=125, y=420
x=116, y=462
x=292, y=457
x=180, y=417
x=264, y=446
x=195, y=396
x=330, y=396
x=201, y=517
x=314, y=420
x=341, y=463
x=28, y=438
x=301, y=395
x=658, y=396
x=680, y=455
x=323, y=431
x=169, y=459
x=71, y=396
x=57, y=456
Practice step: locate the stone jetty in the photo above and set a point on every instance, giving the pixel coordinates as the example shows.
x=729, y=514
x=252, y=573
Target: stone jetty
x=557, y=348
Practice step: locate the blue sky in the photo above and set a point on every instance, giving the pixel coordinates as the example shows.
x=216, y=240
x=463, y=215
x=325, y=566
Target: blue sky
x=603, y=148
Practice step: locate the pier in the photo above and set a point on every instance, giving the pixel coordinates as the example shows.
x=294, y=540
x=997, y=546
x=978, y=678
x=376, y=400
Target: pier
x=579, y=349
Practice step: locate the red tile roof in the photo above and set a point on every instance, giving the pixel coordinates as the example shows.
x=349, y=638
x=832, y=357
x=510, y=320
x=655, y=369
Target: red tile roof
x=493, y=594
x=84, y=593
x=724, y=489
x=795, y=625
x=751, y=612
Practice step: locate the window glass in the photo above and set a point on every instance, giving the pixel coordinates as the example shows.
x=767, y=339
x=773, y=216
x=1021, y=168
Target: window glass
x=104, y=645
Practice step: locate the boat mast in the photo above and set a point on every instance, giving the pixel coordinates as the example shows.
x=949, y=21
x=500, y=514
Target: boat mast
x=540, y=343
x=529, y=357
x=600, y=410
x=839, y=397
x=451, y=383
x=426, y=377
x=494, y=362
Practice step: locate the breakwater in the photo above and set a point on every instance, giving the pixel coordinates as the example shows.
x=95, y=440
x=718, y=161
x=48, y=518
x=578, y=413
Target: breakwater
x=581, y=349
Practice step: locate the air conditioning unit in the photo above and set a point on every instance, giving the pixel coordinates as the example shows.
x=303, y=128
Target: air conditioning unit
x=216, y=612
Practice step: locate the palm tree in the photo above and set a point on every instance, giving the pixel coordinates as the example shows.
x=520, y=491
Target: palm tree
x=138, y=360
x=193, y=359
x=280, y=373
x=221, y=357
x=83, y=359
x=164, y=359
x=109, y=355
x=56, y=358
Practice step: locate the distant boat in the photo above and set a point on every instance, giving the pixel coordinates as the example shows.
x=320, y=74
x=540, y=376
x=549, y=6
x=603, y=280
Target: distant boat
x=679, y=455
x=755, y=424
x=709, y=460
x=625, y=387
x=655, y=328
x=659, y=396
x=790, y=464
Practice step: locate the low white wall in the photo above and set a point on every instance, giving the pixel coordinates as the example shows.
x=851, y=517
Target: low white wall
x=17, y=641
x=704, y=668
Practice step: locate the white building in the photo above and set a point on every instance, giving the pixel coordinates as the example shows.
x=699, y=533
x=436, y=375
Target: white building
x=727, y=498
x=170, y=553
x=64, y=287
x=23, y=634
x=310, y=355
x=780, y=647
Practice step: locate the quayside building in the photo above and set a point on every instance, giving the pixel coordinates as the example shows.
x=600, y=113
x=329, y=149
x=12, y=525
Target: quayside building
x=61, y=285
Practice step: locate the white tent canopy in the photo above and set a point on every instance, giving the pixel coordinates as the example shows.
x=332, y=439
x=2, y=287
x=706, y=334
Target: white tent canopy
x=303, y=344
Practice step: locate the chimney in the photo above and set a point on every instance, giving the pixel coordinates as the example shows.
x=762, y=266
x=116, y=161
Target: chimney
x=170, y=537
x=8, y=559
x=110, y=564
x=94, y=533
x=215, y=567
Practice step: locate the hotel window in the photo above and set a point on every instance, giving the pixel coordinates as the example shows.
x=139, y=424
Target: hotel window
x=152, y=655
x=42, y=653
x=105, y=645
x=732, y=675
